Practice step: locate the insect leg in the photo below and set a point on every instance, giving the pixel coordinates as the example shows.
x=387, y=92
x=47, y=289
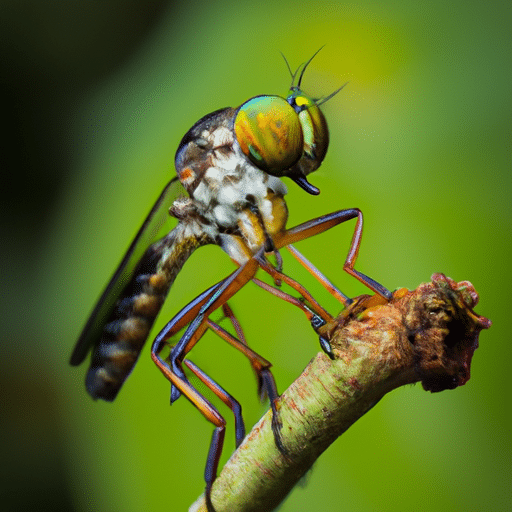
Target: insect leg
x=222, y=293
x=178, y=322
x=266, y=382
x=321, y=224
x=195, y=314
x=229, y=400
x=204, y=305
x=209, y=412
x=279, y=276
x=317, y=315
x=330, y=287
x=195, y=330
x=259, y=364
x=257, y=368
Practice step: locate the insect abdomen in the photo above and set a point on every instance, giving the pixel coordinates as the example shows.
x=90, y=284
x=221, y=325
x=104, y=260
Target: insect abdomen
x=129, y=325
x=121, y=343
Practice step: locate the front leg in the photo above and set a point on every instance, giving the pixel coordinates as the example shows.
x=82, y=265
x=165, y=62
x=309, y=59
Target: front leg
x=321, y=224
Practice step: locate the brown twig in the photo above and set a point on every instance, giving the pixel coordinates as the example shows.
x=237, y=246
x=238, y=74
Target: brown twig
x=427, y=335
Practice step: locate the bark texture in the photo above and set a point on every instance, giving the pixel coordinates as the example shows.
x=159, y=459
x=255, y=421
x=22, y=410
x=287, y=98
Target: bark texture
x=427, y=335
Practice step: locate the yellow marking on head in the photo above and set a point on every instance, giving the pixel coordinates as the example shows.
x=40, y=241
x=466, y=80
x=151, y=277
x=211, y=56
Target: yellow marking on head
x=302, y=100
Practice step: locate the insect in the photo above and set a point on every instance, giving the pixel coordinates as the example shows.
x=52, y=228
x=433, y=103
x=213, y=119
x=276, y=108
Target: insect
x=230, y=163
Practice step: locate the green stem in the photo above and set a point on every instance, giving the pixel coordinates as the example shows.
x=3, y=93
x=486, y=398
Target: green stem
x=427, y=335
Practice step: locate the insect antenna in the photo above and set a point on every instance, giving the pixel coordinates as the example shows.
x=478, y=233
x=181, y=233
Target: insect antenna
x=320, y=101
x=292, y=74
x=305, y=66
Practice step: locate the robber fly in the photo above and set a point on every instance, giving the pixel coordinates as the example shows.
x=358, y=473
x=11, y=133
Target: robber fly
x=230, y=163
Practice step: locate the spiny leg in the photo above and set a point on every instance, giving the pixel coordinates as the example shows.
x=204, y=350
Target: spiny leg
x=321, y=224
x=258, y=363
x=181, y=384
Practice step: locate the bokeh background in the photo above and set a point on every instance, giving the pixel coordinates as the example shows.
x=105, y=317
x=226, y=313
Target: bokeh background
x=96, y=99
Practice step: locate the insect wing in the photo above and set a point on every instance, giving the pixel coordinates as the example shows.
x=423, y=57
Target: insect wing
x=149, y=232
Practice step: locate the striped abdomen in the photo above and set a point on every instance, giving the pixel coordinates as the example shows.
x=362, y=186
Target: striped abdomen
x=128, y=326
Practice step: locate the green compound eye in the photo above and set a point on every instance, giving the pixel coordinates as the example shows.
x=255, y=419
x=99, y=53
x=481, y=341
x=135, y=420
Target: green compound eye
x=269, y=133
x=314, y=129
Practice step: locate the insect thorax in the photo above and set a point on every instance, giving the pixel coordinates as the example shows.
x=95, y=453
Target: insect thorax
x=232, y=196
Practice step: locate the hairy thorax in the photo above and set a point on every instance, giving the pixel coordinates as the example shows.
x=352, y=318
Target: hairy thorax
x=240, y=205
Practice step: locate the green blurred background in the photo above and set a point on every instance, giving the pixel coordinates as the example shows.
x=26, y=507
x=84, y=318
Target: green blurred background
x=96, y=99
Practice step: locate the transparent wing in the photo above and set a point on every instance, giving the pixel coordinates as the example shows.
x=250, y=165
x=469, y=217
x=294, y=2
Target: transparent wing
x=149, y=232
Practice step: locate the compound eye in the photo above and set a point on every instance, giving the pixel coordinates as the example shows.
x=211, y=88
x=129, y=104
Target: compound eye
x=269, y=133
x=314, y=129
x=316, y=138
